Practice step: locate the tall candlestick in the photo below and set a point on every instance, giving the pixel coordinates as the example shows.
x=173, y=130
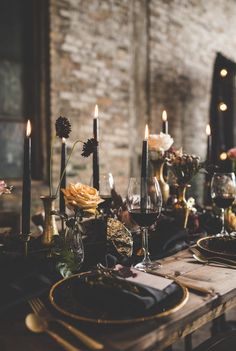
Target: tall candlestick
x=164, y=122
x=209, y=143
x=96, y=150
x=63, y=181
x=144, y=170
x=26, y=189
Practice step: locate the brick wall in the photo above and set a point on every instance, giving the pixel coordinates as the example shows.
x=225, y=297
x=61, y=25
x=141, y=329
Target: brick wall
x=91, y=64
x=132, y=56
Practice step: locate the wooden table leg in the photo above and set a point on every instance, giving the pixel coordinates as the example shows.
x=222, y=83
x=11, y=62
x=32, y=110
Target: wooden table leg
x=188, y=342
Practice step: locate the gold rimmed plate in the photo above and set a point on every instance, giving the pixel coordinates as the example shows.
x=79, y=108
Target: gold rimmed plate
x=222, y=246
x=106, y=306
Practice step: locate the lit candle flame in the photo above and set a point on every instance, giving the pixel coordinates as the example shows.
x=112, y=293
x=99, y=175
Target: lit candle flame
x=28, y=128
x=223, y=156
x=223, y=72
x=96, y=111
x=164, y=116
x=146, y=134
x=208, y=129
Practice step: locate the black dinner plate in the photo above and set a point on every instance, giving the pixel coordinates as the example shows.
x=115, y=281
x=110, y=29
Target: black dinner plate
x=71, y=297
x=222, y=246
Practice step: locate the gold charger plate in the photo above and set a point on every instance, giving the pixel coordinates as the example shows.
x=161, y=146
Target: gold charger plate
x=222, y=246
x=64, y=296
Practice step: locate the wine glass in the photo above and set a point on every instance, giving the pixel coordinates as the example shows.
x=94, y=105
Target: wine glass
x=106, y=184
x=144, y=201
x=223, y=188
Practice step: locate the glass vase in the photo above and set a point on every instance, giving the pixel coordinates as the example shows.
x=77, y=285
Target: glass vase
x=158, y=167
x=50, y=227
x=72, y=252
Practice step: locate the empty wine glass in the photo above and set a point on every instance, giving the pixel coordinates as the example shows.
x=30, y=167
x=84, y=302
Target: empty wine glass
x=144, y=201
x=223, y=188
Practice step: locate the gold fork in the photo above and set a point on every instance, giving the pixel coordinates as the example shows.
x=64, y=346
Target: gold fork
x=39, y=308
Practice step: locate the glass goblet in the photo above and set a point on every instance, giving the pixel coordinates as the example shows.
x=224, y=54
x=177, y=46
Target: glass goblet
x=106, y=184
x=223, y=190
x=144, y=201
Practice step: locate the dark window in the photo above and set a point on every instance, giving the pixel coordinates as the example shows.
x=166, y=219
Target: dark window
x=223, y=110
x=23, y=84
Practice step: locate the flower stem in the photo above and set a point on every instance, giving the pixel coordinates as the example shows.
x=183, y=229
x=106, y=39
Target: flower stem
x=72, y=149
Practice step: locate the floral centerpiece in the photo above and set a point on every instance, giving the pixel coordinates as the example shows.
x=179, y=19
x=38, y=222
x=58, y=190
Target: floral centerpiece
x=184, y=168
x=83, y=201
x=159, y=150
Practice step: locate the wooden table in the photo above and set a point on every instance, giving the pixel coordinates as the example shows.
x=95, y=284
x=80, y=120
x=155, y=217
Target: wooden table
x=199, y=309
x=151, y=335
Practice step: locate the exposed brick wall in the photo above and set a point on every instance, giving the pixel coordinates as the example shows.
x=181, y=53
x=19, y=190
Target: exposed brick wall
x=92, y=59
x=91, y=64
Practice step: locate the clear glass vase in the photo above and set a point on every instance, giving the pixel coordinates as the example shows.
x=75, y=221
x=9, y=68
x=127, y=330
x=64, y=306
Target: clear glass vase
x=72, y=252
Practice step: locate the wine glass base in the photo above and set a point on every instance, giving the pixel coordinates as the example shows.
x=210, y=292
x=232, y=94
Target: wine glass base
x=225, y=233
x=144, y=266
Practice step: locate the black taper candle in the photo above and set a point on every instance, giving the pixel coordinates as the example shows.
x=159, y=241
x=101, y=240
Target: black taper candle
x=164, y=122
x=144, y=170
x=63, y=180
x=26, y=188
x=209, y=144
x=96, y=150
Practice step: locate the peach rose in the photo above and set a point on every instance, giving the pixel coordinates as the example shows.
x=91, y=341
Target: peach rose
x=81, y=196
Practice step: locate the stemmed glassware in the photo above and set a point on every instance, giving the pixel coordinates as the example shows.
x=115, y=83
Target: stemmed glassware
x=144, y=201
x=106, y=184
x=223, y=191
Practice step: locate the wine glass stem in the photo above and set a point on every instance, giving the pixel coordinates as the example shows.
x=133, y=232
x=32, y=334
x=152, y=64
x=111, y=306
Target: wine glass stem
x=146, y=257
x=223, y=220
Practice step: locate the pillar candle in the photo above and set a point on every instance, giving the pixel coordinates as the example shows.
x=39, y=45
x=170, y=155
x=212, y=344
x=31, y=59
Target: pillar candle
x=63, y=181
x=26, y=188
x=164, y=122
x=96, y=151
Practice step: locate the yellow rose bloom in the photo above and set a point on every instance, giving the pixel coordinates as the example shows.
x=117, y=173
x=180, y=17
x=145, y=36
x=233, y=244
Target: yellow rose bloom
x=82, y=196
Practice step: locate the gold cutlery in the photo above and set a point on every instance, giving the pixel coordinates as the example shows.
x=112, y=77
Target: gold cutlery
x=36, y=324
x=39, y=308
x=212, y=259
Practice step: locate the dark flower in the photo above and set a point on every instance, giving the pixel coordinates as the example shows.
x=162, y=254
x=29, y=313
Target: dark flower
x=89, y=147
x=63, y=127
